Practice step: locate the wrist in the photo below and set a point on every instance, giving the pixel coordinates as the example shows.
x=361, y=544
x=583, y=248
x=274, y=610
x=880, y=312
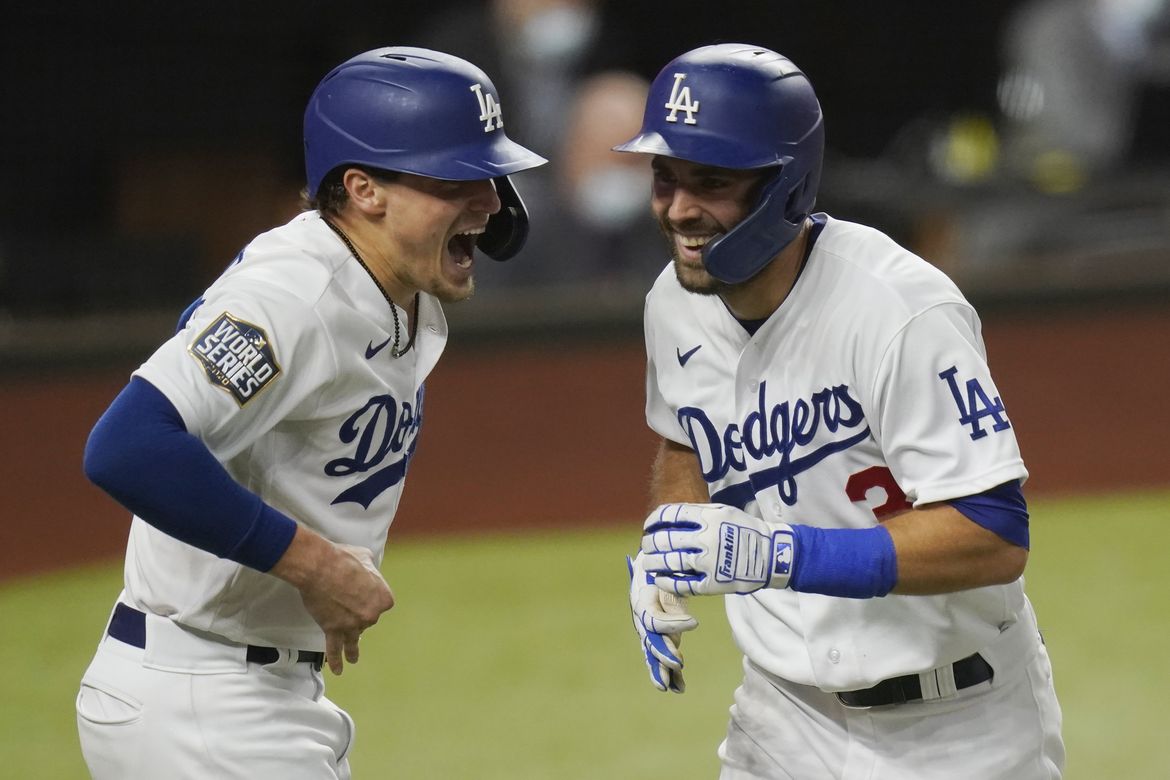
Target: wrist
x=857, y=563
x=267, y=540
x=303, y=558
x=783, y=549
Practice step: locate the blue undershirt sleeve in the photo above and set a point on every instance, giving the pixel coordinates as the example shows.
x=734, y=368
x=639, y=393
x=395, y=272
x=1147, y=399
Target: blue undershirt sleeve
x=142, y=455
x=1001, y=510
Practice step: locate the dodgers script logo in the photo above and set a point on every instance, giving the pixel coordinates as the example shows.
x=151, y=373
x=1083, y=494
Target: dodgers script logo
x=381, y=428
x=767, y=431
x=236, y=356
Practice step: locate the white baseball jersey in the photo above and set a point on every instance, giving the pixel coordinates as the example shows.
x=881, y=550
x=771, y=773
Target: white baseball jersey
x=284, y=372
x=867, y=388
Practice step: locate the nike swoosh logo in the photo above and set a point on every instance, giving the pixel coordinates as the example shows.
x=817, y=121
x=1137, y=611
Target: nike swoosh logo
x=683, y=357
x=371, y=350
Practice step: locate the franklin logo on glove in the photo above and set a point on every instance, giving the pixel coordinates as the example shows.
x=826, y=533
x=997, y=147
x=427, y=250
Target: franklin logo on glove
x=727, y=560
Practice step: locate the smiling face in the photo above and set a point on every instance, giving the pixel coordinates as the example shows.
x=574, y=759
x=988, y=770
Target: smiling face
x=428, y=233
x=695, y=203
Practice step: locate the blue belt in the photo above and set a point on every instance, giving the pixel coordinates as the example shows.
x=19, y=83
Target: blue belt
x=129, y=625
x=969, y=671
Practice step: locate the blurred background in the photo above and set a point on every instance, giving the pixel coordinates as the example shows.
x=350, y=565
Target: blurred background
x=1022, y=146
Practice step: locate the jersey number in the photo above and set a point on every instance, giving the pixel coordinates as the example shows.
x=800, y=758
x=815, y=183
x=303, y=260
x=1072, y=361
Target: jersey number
x=878, y=477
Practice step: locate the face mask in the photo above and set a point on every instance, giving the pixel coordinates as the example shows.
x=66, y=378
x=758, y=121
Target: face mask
x=612, y=197
x=558, y=34
x=1124, y=26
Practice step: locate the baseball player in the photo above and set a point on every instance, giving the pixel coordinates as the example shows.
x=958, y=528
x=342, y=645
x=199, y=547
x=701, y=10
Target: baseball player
x=835, y=459
x=263, y=448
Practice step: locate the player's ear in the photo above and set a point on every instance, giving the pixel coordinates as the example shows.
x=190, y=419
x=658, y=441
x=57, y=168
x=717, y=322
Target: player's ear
x=363, y=191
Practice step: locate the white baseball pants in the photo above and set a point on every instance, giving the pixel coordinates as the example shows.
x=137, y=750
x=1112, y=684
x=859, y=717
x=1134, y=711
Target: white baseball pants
x=1007, y=728
x=188, y=707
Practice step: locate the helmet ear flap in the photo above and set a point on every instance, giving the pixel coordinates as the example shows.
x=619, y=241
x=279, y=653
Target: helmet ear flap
x=747, y=248
x=793, y=209
x=507, y=229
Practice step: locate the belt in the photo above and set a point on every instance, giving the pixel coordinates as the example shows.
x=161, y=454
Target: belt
x=969, y=671
x=129, y=625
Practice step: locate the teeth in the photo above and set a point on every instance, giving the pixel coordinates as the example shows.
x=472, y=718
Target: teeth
x=694, y=242
x=464, y=263
x=473, y=231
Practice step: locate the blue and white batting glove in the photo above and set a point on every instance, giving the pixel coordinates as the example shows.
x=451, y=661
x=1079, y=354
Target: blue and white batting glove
x=659, y=618
x=707, y=549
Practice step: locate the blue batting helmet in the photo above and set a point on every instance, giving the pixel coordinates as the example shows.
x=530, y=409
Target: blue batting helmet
x=423, y=112
x=733, y=105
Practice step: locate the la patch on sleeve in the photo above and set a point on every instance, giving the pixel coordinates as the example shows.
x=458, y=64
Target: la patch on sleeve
x=237, y=357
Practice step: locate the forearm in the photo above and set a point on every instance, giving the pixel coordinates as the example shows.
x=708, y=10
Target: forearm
x=675, y=477
x=939, y=550
x=931, y=550
x=703, y=548
x=303, y=559
x=920, y=552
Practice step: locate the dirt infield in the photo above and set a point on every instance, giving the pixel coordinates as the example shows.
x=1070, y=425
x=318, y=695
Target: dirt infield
x=547, y=436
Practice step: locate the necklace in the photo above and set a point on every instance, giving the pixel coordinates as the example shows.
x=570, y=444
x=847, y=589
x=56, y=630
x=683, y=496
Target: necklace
x=394, y=350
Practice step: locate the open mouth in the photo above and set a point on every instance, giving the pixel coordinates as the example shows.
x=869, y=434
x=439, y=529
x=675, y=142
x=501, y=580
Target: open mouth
x=692, y=246
x=461, y=247
x=695, y=243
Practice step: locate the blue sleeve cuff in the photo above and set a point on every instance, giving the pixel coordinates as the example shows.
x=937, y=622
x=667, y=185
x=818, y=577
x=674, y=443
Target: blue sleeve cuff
x=1001, y=510
x=266, y=540
x=142, y=455
x=854, y=563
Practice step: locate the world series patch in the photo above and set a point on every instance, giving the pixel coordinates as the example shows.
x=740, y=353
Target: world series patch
x=237, y=357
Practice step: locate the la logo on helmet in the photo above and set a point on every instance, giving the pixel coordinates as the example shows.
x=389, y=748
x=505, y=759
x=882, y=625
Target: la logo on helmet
x=680, y=100
x=490, y=111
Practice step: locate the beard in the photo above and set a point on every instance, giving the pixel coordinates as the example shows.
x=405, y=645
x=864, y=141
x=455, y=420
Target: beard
x=435, y=280
x=446, y=292
x=692, y=278
x=697, y=280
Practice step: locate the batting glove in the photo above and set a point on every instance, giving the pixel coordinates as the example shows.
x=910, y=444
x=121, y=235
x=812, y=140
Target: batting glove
x=706, y=549
x=659, y=618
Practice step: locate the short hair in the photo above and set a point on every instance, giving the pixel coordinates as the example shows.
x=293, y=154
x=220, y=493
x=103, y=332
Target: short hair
x=331, y=196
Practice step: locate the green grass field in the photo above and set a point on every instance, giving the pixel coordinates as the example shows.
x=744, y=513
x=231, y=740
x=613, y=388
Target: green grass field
x=513, y=657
